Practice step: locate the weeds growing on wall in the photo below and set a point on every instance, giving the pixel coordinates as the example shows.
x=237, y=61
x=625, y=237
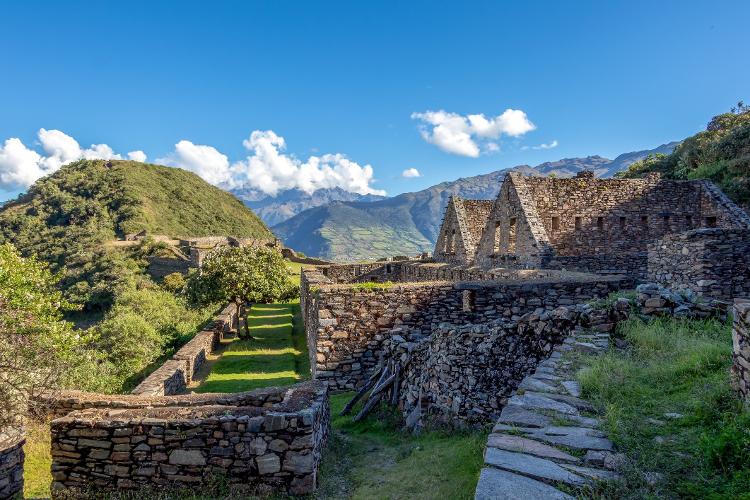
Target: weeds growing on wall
x=667, y=402
x=372, y=286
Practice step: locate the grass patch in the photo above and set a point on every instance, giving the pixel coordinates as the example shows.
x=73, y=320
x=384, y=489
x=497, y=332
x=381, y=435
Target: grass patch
x=36, y=469
x=371, y=286
x=673, y=366
x=374, y=458
x=276, y=356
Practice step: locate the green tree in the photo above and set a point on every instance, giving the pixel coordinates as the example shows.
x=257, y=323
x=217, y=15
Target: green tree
x=37, y=348
x=245, y=274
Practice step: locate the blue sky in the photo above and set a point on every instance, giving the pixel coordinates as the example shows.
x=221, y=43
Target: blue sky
x=348, y=77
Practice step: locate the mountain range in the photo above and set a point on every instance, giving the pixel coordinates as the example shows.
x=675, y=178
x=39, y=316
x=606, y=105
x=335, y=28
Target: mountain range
x=408, y=224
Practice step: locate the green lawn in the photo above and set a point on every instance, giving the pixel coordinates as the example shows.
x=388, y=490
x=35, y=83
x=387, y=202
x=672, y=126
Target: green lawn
x=673, y=367
x=277, y=354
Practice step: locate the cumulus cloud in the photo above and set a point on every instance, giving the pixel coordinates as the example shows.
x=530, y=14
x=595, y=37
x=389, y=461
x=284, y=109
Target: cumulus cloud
x=205, y=161
x=548, y=145
x=466, y=135
x=410, y=173
x=137, y=156
x=20, y=166
x=270, y=170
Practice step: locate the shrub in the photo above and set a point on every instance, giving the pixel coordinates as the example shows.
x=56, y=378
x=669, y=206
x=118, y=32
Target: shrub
x=174, y=282
x=36, y=346
x=248, y=274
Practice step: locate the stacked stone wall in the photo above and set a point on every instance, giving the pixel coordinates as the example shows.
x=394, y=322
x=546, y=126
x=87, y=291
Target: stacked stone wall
x=11, y=464
x=346, y=324
x=741, y=348
x=175, y=374
x=710, y=262
x=262, y=448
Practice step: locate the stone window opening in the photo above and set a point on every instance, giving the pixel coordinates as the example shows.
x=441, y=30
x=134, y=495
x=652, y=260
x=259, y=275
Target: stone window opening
x=447, y=242
x=555, y=223
x=496, y=239
x=468, y=300
x=578, y=223
x=689, y=221
x=512, y=235
x=388, y=268
x=644, y=222
x=711, y=221
x=666, y=222
x=452, y=246
x=623, y=223
x=600, y=223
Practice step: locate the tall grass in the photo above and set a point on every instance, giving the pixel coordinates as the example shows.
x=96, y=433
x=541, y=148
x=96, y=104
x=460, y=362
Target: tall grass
x=673, y=367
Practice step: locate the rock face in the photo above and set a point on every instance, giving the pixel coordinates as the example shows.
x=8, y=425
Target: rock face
x=741, y=349
x=273, y=446
x=11, y=464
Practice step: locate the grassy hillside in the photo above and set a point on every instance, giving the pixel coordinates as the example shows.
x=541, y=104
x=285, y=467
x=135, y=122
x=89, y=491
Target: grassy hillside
x=721, y=153
x=65, y=218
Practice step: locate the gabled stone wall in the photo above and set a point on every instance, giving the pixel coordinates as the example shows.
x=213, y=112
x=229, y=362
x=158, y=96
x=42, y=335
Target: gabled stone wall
x=461, y=230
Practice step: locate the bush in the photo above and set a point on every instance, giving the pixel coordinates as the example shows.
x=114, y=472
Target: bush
x=174, y=282
x=37, y=347
x=247, y=274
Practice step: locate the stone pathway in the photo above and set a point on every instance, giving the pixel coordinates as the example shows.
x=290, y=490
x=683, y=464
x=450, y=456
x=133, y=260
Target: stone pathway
x=546, y=435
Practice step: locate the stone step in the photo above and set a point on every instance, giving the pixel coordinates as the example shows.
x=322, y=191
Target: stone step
x=577, y=403
x=516, y=415
x=545, y=376
x=531, y=466
x=539, y=401
x=581, y=438
x=573, y=387
x=520, y=444
x=596, y=474
x=496, y=484
x=533, y=384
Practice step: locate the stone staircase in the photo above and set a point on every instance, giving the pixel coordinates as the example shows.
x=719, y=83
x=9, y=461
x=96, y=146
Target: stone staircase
x=545, y=436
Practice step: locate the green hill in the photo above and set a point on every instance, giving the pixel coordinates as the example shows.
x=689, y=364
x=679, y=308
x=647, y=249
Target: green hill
x=66, y=218
x=721, y=153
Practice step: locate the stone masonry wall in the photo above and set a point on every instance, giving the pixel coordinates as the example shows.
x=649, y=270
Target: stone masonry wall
x=741, y=348
x=257, y=449
x=346, y=324
x=711, y=262
x=11, y=464
x=175, y=374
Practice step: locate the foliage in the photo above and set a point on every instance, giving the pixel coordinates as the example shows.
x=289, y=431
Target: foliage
x=66, y=218
x=36, y=346
x=372, y=286
x=142, y=326
x=673, y=366
x=248, y=274
x=721, y=153
x=174, y=282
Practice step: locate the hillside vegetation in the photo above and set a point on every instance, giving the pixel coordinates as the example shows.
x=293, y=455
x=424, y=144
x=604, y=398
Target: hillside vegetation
x=65, y=218
x=721, y=153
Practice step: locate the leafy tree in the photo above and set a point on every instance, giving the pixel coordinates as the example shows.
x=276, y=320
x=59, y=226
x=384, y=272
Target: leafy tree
x=37, y=348
x=174, y=282
x=245, y=274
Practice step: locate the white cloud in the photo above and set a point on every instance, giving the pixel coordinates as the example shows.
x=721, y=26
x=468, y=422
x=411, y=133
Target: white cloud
x=270, y=170
x=137, y=156
x=410, y=173
x=205, y=161
x=21, y=166
x=465, y=135
x=548, y=145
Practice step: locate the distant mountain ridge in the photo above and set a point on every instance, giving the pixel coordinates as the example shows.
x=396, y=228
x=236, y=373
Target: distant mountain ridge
x=276, y=209
x=409, y=223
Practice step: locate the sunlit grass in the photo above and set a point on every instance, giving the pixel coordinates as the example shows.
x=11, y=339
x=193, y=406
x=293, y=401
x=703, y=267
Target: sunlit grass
x=274, y=356
x=37, y=475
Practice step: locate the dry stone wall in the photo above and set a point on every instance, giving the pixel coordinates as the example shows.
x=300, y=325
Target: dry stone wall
x=710, y=262
x=11, y=464
x=741, y=348
x=175, y=374
x=346, y=324
x=264, y=448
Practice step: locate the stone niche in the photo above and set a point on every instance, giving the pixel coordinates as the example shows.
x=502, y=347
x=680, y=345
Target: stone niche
x=271, y=447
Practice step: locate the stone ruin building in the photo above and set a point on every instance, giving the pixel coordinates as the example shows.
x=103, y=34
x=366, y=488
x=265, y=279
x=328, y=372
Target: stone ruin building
x=461, y=230
x=636, y=227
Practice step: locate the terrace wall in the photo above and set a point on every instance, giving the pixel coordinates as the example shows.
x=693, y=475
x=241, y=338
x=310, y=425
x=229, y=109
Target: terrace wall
x=741, y=348
x=11, y=464
x=263, y=447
